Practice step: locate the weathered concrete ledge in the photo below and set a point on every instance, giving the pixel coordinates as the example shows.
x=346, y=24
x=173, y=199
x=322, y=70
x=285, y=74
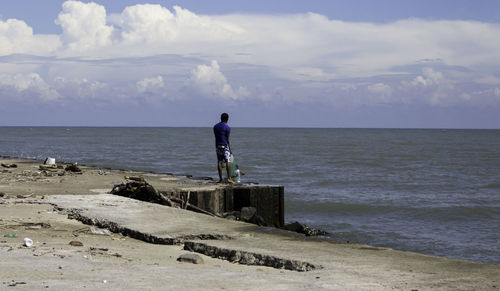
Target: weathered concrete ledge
x=267, y=199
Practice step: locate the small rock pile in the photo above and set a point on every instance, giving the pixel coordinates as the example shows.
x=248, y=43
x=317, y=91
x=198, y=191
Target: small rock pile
x=302, y=228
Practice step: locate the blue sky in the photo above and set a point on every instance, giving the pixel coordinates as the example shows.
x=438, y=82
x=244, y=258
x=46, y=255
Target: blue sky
x=389, y=63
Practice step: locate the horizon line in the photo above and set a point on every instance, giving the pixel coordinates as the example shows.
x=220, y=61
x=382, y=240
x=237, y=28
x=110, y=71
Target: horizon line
x=235, y=126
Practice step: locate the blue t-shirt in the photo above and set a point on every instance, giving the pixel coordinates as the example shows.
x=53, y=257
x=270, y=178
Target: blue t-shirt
x=221, y=132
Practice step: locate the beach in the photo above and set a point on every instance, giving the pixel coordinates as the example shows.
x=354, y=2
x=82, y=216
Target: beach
x=50, y=209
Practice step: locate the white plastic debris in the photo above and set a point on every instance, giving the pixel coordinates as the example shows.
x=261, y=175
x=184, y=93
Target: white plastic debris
x=28, y=242
x=50, y=161
x=101, y=231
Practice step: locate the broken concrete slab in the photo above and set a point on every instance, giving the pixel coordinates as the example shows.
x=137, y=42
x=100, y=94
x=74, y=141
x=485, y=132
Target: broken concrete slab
x=150, y=222
x=166, y=225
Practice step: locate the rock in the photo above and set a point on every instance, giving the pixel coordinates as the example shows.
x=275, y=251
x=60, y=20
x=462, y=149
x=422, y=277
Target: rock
x=76, y=243
x=2, y=194
x=73, y=168
x=259, y=220
x=190, y=258
x=247, y=213
x=302, y=228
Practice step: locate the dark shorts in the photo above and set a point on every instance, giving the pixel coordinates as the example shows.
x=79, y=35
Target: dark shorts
x=223, y=153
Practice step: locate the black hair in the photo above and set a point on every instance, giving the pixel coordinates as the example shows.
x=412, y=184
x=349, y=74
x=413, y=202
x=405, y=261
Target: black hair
x=224, y=117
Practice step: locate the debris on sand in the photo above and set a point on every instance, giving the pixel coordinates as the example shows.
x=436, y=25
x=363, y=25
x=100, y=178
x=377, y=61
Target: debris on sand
x=99, y=231
x=73, y=168
x=9, y=165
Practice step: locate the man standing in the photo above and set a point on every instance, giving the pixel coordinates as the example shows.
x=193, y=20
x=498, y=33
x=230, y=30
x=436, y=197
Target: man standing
x=222, y=146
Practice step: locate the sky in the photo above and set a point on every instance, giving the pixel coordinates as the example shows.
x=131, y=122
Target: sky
x=356, y=63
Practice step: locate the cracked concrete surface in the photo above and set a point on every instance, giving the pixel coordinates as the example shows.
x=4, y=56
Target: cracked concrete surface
x=166, y=225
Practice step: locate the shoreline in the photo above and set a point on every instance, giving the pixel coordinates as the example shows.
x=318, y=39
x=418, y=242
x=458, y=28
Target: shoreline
x=343, y=266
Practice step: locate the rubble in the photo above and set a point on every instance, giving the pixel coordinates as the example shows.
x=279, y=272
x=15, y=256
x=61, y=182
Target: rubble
x=140, y=190
x=302, y=228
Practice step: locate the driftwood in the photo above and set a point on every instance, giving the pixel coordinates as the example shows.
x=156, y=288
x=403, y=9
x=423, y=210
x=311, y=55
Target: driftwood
x=137, y=179
x=48, y=167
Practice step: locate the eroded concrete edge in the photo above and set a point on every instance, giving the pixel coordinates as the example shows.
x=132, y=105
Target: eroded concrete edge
x=147, y=237
x=249, y=258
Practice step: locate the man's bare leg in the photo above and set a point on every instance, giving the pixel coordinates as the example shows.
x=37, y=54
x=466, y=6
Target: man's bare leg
x=228, y=167
x=219, y=169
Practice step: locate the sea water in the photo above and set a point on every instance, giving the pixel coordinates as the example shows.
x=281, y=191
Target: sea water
x=433, y=191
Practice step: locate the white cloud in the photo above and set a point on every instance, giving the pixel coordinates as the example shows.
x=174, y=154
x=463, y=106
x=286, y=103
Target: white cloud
x=26, y=86
x=82, y=88
x=283, y=42
x=283, y=59
x=429, y=78
x=210, y=81
x=434, y=88
x=156, y=24
x=381, y=90
x=150, y=85
x=84, y=26
x=17, y=37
